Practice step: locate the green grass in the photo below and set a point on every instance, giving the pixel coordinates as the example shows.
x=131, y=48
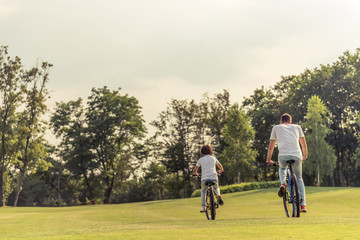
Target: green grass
x=333, y=213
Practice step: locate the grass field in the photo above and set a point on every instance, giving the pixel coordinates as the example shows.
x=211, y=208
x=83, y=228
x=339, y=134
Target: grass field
x=333, y=213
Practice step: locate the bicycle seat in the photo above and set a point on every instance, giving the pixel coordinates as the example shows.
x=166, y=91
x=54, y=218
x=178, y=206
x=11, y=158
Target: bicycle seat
x=290, y=161
x=210, y=182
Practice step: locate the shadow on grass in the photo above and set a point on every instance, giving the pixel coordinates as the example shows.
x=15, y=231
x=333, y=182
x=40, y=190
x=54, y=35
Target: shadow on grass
x=311, y=189
x=246, y=193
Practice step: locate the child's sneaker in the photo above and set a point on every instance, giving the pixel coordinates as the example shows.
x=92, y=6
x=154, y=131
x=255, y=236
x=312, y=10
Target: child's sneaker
x=203, y=209
x=282, y=189
x=303, y=209
x=220, y=200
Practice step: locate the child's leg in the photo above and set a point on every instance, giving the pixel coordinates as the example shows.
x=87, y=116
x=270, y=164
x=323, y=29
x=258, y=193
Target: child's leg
x=216, y=187
x=203, y=190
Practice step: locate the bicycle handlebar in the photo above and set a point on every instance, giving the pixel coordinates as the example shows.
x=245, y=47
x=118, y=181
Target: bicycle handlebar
x=217, y=173
x=274, y=165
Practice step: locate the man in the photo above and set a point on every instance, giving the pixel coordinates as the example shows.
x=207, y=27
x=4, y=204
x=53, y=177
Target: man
x=287, y=136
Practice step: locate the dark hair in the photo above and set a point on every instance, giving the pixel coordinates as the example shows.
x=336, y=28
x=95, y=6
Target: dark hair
x=285, y=118
x=206, y=150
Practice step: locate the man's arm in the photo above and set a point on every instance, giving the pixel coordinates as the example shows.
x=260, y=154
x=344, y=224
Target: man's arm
x=270, y=151
x=304, y=148
x=195, y=171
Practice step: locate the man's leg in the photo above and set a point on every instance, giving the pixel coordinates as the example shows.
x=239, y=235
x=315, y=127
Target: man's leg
x=297, y=166
x=282, y=169
x=282, y=173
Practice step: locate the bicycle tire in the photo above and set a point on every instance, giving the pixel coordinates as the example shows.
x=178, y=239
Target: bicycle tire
x=212, y=204
x=207, y=204
x=296, y=195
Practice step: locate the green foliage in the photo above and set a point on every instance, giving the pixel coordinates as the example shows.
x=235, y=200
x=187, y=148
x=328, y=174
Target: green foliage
x=21, y=131
x=263, y=108
x=338, y=85
x=242, y=187
x=99, y=141
x=321, y=160
x=238, y=157
x=69, y=124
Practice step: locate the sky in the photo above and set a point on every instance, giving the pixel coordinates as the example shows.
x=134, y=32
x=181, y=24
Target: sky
x=156, y=50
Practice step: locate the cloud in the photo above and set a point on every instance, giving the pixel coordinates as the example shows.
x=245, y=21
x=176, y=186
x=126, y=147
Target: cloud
x=8, y=9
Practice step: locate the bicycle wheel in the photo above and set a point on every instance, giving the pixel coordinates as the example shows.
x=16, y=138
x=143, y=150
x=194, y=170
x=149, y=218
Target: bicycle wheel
x=296, y=195
x=212, y=204
x=288, y=200
x=207, y=203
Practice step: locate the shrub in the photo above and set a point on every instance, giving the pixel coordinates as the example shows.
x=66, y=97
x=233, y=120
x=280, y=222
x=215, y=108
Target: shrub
x=242, y=187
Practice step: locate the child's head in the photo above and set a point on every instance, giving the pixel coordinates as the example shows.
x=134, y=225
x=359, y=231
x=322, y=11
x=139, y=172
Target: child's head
x=206, y=150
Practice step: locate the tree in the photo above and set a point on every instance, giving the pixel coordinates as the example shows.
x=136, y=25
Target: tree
x=218, y=109
x=264, y=110
x=238, y=156
x=12, y=87
x=31, y=137
x=115, y=123
x=175, y=128
x=69, y=123
x=321, y=155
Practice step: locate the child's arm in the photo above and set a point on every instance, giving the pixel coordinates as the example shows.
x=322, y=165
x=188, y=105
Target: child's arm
x=195, y=171
x=220, y=167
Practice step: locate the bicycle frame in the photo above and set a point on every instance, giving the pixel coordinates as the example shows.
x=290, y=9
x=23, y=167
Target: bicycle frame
x=211, y=202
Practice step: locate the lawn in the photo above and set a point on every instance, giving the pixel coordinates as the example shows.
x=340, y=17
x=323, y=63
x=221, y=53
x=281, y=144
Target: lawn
x=333, y=213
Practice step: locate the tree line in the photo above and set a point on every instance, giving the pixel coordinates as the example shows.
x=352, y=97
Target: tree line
x=105, y=155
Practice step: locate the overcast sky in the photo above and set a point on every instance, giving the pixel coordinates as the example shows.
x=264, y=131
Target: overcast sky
x=156, y=50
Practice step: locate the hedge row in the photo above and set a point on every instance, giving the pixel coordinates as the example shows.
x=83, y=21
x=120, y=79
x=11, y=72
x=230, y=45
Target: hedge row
x=242, y=187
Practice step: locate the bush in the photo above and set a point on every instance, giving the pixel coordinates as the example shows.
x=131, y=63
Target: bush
x=242, y=187
x=52, y=202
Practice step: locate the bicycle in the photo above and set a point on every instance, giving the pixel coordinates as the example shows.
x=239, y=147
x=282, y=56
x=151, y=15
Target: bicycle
x=211, y=201
x=291, y=198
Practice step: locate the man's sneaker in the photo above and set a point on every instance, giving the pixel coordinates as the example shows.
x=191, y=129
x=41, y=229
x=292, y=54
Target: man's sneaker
x=220, y=200
x=203, y=209
x=282, y=189
x=303, y=209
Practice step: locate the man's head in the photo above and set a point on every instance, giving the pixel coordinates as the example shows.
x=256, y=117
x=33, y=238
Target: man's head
x=285, y=118
x=206, y=150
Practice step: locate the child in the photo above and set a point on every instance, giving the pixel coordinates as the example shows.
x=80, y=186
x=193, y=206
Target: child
x=208, y=165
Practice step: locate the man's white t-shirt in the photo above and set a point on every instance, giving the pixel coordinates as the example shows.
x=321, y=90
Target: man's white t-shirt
x=287, y=138
x=208, y=167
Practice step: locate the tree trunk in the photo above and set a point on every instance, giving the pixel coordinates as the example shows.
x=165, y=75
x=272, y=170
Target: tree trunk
x=90, y=190
x=238, y=178
x=341, y=174
x=2, y=168
x=58, y=185
x=318, y=175
x=21, y=180
x=22, y=172
x=110, y=184
x=333, y=179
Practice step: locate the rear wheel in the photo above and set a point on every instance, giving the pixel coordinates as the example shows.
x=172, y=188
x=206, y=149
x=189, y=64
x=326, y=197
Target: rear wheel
x=289, y=203
x=207, y=203
x=296, y=195
x=212, y=204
